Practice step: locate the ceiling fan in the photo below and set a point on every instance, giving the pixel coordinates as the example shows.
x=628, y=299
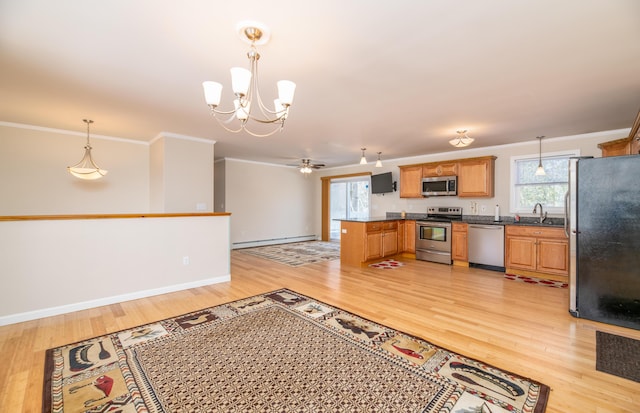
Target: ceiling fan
x=307, y=166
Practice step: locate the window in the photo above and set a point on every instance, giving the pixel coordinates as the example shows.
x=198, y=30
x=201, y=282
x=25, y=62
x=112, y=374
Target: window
x=527, y=188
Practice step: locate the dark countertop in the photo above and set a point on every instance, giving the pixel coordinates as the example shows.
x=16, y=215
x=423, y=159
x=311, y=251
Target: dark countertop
x=551, y=222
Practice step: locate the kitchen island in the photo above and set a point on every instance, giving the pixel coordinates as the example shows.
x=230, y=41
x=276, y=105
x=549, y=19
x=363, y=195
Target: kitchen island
x=368, y=239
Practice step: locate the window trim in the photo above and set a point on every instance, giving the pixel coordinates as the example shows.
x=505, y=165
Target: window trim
x=513, y=176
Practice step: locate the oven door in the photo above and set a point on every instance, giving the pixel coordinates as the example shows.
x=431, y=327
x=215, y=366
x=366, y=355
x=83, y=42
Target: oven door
x=434, y=236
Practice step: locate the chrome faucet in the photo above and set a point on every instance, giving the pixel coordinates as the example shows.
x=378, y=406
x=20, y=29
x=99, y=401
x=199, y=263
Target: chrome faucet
x=535, y=209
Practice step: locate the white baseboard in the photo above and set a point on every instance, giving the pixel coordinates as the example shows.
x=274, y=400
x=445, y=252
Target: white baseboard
x=64, y=309
x=273, y=241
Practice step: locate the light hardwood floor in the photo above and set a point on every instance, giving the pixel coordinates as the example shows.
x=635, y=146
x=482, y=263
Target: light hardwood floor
x=522, y=328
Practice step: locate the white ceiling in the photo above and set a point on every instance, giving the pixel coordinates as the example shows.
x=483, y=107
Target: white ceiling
x=399, y=77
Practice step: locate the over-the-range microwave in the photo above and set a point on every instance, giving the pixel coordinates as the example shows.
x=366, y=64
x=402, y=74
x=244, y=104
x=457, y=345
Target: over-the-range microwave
x=440, y=186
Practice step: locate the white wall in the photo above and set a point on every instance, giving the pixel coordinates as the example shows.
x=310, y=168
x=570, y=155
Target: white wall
x=174, y=174
x=34, y=179
x=182, y=172
x=381, y=204
x=51, y=267
x=269, y=202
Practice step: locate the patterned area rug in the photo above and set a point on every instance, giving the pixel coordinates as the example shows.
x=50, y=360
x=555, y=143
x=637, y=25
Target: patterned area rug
x=387, y=264
x=534, y=280
x=297, y=253
x=280, y=351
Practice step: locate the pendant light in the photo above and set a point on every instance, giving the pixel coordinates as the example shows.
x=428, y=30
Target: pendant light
x=87, y=168
x=363, y=160
x=540, y=171
x=379, y=162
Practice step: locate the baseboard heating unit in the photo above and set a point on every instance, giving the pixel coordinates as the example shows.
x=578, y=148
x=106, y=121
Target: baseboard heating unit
x=272, y=241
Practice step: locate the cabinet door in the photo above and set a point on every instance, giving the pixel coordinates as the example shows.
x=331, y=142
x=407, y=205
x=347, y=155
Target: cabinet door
x=411, y=182
x=553, y=256
x=373, y=245
x=459, y=246
x=476, y=177
x=410, y=236
x=520, y=253
x=389, y=243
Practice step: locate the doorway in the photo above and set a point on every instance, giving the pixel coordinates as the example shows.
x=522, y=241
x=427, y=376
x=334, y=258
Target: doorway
x=349, y=198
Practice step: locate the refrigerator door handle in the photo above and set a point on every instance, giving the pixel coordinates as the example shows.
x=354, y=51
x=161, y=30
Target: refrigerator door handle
x=566, y=214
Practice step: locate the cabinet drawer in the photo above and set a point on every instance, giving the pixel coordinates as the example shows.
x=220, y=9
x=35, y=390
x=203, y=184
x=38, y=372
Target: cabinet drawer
x=534, y=231
x=459, y=227
x=374, y=226
x=389, y=225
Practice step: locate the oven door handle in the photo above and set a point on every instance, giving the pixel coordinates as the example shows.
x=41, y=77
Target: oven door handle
x=435, y=252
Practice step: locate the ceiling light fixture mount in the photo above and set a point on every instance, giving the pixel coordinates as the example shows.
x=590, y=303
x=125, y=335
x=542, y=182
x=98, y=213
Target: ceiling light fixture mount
x=87, y=168
x=540, y=171
x=462, y=140
x=245, y=88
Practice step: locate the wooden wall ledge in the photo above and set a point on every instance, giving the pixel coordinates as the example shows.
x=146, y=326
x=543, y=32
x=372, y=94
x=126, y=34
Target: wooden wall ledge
x=110, y=216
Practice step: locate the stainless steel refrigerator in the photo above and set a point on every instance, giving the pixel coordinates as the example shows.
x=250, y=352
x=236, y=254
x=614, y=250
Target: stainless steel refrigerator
x=603, y=225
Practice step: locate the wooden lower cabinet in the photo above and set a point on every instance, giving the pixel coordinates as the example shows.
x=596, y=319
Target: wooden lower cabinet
x=361, y=242
x=409, y=236
x=459, y=242
x=381, y=239
x=535, y=249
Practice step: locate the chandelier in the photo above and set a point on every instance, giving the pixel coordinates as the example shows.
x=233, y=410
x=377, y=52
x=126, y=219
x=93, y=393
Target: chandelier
x=248, y=105
x=87, y=168
x=462, y=140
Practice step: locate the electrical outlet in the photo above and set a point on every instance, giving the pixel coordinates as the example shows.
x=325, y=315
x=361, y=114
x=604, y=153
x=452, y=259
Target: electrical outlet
x=185, y=260
x=483, y=208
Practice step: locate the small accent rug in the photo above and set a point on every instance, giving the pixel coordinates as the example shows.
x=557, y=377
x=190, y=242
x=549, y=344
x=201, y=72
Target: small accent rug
x=296, y=254
x=618, y=355
x=279, y=351
x=387, y=264
x=534, y=280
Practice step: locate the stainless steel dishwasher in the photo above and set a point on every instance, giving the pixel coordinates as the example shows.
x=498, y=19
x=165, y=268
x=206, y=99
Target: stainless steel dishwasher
x=486, y=246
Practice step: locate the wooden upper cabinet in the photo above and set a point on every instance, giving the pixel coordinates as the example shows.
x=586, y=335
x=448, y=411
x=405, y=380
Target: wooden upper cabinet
x=625, y=146
x=439, y=169
x=411, y=181
x=476, y=177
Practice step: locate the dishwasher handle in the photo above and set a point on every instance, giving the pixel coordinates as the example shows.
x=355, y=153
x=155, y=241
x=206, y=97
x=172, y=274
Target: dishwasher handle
x=495, y=227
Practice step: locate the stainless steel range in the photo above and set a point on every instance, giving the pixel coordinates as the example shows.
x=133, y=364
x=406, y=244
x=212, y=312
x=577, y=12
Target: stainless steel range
x=433, y=234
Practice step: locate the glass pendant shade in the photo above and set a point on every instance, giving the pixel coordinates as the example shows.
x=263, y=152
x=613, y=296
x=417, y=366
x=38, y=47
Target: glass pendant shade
x=286, y=90
x=212, y=92
x=540, y=171
x=379, y=162
x=240, y=80
x=242, y=113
